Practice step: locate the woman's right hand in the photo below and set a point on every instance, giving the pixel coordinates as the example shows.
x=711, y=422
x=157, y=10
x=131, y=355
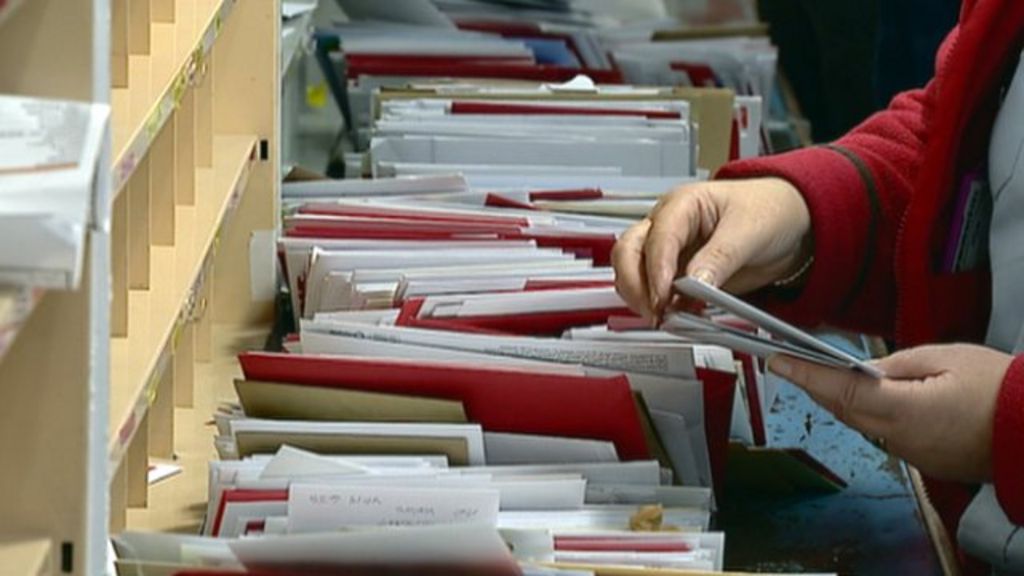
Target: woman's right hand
x=740, y=235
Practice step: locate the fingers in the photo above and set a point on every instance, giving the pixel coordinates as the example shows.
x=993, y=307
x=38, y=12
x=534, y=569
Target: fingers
x=673, y=228
x=630, y=273
x=868, y=405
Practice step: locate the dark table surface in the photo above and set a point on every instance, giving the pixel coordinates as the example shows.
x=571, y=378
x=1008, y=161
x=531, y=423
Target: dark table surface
x=872, y=527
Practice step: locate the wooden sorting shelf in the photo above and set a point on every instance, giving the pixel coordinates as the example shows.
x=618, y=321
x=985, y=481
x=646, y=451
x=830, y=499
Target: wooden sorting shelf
x=178, y=504
x=158, y=314
x=195, y=99
x=194, y=87
x=52, y=350
x=30, y=557
x=160, y=49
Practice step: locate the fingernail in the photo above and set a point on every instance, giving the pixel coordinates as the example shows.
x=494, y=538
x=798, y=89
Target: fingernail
x=704, y=275
x=780, y=365
x=655, y=303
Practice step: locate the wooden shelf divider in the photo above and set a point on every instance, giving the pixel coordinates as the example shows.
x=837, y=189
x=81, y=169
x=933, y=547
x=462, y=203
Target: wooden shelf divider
x=201, y=171
x=194, y=91
x=163, y=59
x=138, y=360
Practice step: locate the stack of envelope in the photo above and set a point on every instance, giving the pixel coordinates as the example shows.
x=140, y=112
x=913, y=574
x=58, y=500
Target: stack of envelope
x=294, y=509
x=457, y=363
x=581, y=59
x=389, y=285
x=49, y=151
x=514, y=134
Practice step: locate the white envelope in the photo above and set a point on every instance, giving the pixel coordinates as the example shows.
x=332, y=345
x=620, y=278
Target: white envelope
x=324, y=508
x=471, y=433
x=635, y=157
x=512, y=449
x=420, y=545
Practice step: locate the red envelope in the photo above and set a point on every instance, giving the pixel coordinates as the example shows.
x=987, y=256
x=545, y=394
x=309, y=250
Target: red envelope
x=498, y=201
x=613, y=544
x=407, y=214
x=359, y=224
x=242, y=495
x=493, y=108
x=367, y=59
x=753, y=397
x=500, y=399
x=302, y=231
x=559, y=195
x=719, y=394
x=597, y=247
x=537, y=72
x=533, y=324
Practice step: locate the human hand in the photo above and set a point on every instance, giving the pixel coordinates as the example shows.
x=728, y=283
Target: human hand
x=740, y=235
x=935, y=408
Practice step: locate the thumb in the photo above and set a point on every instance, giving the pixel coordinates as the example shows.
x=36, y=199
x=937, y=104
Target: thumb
x=914, y=363
x=729, y=249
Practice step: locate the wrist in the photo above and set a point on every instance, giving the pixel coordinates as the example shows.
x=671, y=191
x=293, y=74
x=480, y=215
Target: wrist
x=800, y=268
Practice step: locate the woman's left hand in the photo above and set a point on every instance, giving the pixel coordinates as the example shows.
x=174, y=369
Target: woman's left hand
x=935, y=408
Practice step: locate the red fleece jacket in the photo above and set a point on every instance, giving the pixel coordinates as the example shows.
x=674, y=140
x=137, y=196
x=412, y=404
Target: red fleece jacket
x=881, y=200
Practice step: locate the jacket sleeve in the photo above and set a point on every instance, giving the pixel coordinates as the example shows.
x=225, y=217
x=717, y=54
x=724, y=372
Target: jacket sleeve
x=857, y=190
x=1008, y=443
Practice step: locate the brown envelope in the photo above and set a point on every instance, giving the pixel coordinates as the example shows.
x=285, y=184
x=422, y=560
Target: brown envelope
x=456, y=449
x=277, y=401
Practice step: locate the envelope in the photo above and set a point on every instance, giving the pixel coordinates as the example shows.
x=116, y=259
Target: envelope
x=331, y=188
x=535, y=324
x=163, y=549
x=138, y=568
x=236, y=503
x=711, y=109
x=511, y=449
x=753, y=382
x=637, y=474
x=595, y=245
x=457, y=69
x=460, y=549
x=344, y=437
x=719, y=393
x=284, y=401
x=796, y=341
x=635, y=157
x=564, y=109
x=455, y=449
x=501, y=400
